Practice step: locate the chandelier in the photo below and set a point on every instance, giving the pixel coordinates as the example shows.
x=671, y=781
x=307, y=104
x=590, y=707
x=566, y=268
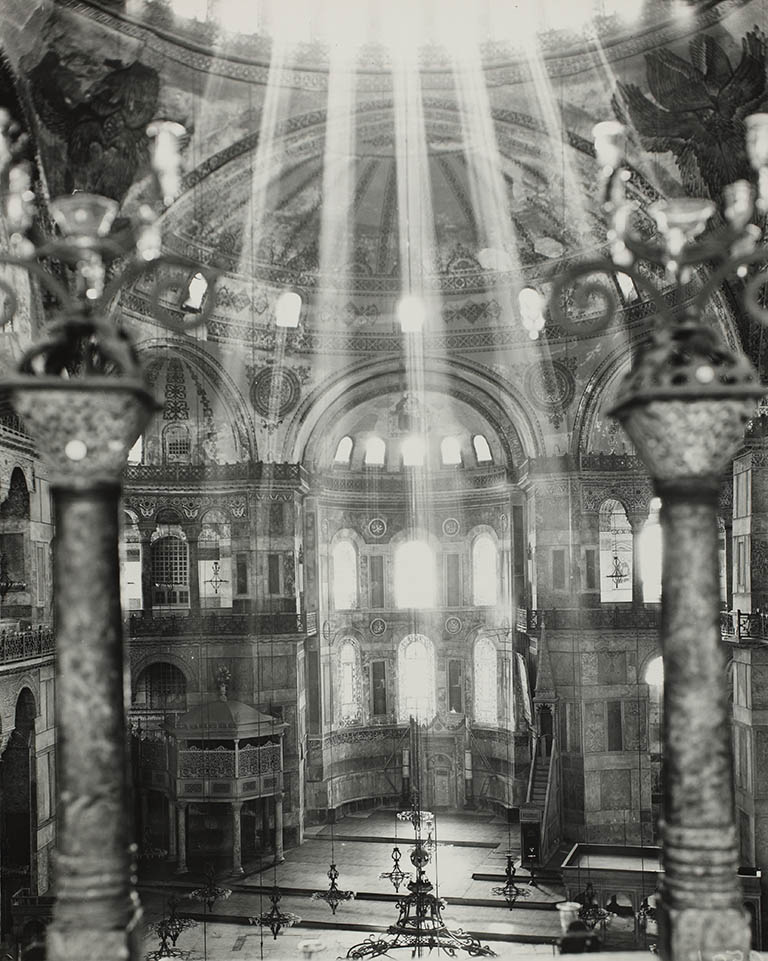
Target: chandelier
x=420, y=921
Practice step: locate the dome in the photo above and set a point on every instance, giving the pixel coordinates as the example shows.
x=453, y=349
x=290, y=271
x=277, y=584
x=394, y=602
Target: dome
x=226, y=719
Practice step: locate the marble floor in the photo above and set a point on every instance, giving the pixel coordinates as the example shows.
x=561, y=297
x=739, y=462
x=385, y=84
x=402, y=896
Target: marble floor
x=361, y=846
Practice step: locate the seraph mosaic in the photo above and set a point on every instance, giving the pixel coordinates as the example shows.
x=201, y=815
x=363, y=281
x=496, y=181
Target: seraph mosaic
x=103, y=127
x=697, y=108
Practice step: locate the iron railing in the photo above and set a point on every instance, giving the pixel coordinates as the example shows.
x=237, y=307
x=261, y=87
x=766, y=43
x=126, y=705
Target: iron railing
x=22, y=645
x=180, y=624
x=744, y=625
x=647, y=618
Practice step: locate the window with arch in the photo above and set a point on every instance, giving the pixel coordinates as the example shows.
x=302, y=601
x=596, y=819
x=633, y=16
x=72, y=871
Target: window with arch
x=484, y=571
x=161, y=686
x=375, y=451
x=450, y=451
x=615, y=553
x=416, y=678
x=344, y=561
x=485, y=671
x=176, y=444
x=415, y=580
x=482, y=449
x=170, y=571
x=349, y=682
x=343, y=451
x=130, y=564
x=136, y=453
x=654, y=678
x=650, y=554
x=214, y=555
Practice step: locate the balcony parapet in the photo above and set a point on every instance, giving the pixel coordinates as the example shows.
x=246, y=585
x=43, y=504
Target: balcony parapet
x=613, y=617
x=24, y=645
x=449, y=480
x=143, y=475
x=738, y=626
x=181, y=624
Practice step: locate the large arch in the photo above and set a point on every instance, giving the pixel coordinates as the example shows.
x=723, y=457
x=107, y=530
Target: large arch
x=219, y=394
x=511, y=421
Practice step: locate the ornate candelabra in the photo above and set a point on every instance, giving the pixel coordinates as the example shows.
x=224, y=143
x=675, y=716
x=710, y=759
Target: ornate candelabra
x=685, y=405
x=333, y=897
x=275, y=919
x=81, y=393
x=510, y=890
x=420, y=921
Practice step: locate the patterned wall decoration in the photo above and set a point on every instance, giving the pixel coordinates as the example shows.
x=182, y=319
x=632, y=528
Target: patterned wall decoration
x=176, y=406
x=275, y=391
x=698, y=108
x=550, y=386
x=451, y=527
x=377, y=527
x=377, y=626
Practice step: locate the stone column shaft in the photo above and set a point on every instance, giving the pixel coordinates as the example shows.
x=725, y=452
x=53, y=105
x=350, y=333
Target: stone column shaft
x=171, y=829
x=700, y=888
x=279, y=828
x=237, y=838
x=96, y=913
x=147, y=580
x=181, y=838
x=194, y=571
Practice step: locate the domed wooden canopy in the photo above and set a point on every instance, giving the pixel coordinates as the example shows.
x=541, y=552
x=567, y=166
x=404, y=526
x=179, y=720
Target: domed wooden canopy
x=227, y=719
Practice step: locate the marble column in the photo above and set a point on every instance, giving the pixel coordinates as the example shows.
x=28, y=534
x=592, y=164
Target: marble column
x=265, y=831
x=171, y=829
x=147, y=579
x=237, y=838
x=193, y=534
x=279, y=856
x=637, y=522
x=181, y=837
x=700, y=890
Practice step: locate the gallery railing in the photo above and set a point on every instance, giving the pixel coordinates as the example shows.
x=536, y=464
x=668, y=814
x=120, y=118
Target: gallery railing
x=646, y=618
x=174, y=624
x=22, y=645
x=744, y=625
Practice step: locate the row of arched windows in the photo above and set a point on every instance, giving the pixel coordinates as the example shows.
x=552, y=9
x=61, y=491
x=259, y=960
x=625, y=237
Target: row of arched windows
x=163, y=686
x=416, y=672
x=413, y=450
x=414, y=580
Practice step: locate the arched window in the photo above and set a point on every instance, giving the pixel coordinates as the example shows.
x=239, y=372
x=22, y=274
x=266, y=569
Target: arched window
x=136, y=452
x=170, y=571
x=344, y=559
x=486, y=706
x=615, y=553
x=349, y=682
x=214, y=555
x=650, y=554
x=450, y=451
x=375, y=451
x=654, y=678
x=484, y=571
x=161, y=686
x=195, y=294
x=130, y=565
x=413, y=450
x=414, y=575
x=482, y=450
x=416, y=674
x=16, y=503
x=343, y=451
x=177, y=445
